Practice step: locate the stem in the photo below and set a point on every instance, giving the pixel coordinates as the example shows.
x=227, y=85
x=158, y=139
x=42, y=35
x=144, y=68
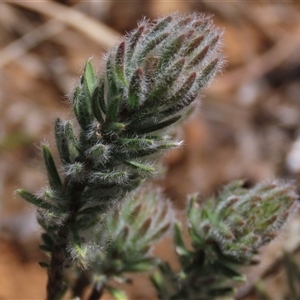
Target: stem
x=97, y=291
x=82, y=282
x=59, y=258
x=56, y=286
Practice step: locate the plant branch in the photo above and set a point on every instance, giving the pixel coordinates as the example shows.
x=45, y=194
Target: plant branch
x=59, y=258
x=97, y=291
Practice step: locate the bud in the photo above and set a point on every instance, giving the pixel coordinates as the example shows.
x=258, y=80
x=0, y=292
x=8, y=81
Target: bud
x=243, y=219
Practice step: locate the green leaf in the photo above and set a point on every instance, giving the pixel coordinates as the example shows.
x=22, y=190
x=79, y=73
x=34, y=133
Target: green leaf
x=194, y=44
x=159, y=280
x=53, y=176
x=49, y=228
x=196, y=239
x=85, y=222
x=102, y=95
x=133, y=41
x=88, y=78
x=46, y=248
x=183, y=90
x=44, y=264
x=150, y=45
x=95, y=101
x=48, y=241
x=207, y=73
x=166, y=80
x=35, y=200
x=161, y=25
x=120, y=62
x=117, y=293
x=82, y=109
x=159, y=233
x=145, y=265
x=96, y=209
x=114, y=177
x=220, y=291
x=74, y=146
x=115, y=127
x=144, y=227
x=179, y=244
x=158, y=126
x=171, y=49
x=114, y=108
x=111, y=76
x=139, y=166
x=196, y=60
x=229, y=270
x=62, y=142
x=182, y=98
x=137, y=143
x=136, y=91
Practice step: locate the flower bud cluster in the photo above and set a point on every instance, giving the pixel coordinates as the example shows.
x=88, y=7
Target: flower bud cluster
x=226, y=233
x=240, y=221
x=151, y=78
x=127, y=235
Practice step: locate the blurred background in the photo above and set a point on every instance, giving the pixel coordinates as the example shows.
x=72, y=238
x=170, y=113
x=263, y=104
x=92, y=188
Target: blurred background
x=248, y=126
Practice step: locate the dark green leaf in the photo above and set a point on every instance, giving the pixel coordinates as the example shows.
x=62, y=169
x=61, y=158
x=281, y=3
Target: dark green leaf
x=158, y=126
x=136, y=165
x=96, y=107
x=145, y=265
x=48, y=241
x=133, y=41
x=62, y=142
x=166, y=80
x=88, y=78
x=35, y=200
x=82, y=109
x=117, y=293
x=44, y=264
x=53, y=176
x=46, y=248
x=136, y=91
x=150, y=45
x=179, y=244
x=120, y=62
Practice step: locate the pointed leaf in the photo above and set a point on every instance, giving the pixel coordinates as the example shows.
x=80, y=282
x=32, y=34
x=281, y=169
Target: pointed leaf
x=96, y=107
x=53, y=176
x=145, y=265
x=151, y=44
x=136, y=165
x=120, y=62
x=46, y=248
x=158, y=126
x=198, y=58
x=35, y=200
x=48, y=241
x=133, y=41
x=62, y=142
x=180, y=247
x=44, y=264
x=117, y=293
x=82, y=109
x=88, y=78
x=167, y=79
x=136, y=90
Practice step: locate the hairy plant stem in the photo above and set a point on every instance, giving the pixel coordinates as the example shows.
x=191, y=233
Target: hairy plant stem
x=97, y=291
x=82, y=282
x=59, y=258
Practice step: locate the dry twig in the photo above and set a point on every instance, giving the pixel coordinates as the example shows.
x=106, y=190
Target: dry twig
x=100, y=33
